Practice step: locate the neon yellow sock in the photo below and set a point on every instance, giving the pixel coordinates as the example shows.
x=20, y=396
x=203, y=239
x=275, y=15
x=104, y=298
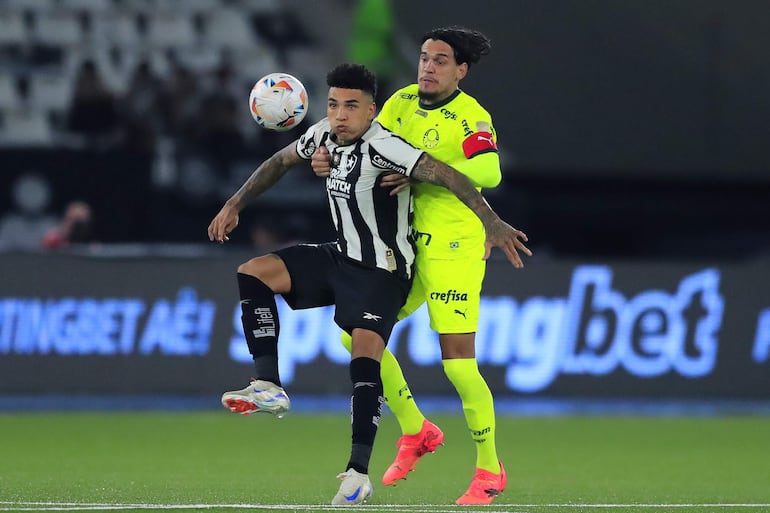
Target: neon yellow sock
x=478, y=406
x=396, y=391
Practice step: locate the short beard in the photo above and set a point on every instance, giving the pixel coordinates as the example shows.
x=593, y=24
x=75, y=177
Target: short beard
x=427, y=97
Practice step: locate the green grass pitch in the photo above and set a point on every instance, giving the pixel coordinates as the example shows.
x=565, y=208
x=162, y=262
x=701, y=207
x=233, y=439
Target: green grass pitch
x=216, y=461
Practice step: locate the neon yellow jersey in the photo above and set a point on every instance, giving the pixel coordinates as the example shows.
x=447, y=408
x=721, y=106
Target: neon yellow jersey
x=458, y=132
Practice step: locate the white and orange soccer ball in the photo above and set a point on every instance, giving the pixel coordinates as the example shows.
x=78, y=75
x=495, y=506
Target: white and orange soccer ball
x=278, y=101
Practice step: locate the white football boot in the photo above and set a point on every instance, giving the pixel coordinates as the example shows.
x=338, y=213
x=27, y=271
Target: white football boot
x=259, y=396
x=355, y=489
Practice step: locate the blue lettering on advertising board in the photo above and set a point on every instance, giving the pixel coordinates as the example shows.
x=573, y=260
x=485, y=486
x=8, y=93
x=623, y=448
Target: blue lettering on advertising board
x=111, y=326
x=595, y=330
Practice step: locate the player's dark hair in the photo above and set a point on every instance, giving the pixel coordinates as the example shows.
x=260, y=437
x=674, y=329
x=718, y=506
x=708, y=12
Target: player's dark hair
x=468, y=44
x=353, y=76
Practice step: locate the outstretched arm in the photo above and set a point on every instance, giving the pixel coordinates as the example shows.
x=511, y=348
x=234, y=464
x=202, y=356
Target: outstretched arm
x=264, y=177
x=499, y=233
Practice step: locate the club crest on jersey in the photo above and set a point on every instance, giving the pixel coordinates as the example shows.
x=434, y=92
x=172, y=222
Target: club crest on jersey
x=350, y=163
x=343, y=164
x=430, y=139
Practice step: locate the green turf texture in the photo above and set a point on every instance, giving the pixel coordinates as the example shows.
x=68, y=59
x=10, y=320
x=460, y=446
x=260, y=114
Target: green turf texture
x=216, y=457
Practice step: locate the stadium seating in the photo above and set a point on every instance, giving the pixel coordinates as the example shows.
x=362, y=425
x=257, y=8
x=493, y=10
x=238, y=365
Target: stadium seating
x=43, y=43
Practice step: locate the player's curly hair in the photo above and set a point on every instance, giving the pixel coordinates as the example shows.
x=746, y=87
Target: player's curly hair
x=353, y=76
x=469, y=45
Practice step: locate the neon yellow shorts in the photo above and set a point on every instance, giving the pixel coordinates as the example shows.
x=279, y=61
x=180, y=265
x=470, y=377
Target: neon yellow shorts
x=452, y=289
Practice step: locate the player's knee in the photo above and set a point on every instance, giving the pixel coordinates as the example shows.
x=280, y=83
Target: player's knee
x=456, y=346
x=270, y=270
x=251, y=267
x=460, y=371
x=366, y=344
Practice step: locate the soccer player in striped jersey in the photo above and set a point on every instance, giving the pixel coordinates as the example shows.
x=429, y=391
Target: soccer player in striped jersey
x=436, y=115
x=366, y=273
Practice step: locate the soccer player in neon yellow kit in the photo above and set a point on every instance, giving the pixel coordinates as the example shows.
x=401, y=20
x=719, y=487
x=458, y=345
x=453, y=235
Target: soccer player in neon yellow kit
x=435, y=115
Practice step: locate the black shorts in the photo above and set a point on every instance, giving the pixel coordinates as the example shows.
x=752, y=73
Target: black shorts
x=363, y=297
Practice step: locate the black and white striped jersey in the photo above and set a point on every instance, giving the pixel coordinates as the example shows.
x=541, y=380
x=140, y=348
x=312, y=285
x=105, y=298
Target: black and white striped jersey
x=372, y=226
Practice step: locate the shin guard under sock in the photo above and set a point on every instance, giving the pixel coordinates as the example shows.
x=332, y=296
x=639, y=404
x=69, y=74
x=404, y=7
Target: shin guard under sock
x=259, y=315
x=365, y=410
x=396, y=392
x=478, y=407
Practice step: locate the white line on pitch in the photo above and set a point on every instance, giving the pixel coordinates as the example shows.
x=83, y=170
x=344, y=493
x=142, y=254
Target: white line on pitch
x=400, y=508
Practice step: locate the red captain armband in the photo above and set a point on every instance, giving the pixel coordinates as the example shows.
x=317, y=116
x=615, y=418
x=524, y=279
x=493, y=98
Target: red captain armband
x=478, y=143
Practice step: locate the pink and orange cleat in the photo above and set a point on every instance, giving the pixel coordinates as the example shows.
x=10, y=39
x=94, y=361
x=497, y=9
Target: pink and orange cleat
x=485, y=487
x=410, y=449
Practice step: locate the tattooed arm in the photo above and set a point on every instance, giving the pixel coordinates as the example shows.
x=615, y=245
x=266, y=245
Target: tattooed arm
x=264, y=177
x=498, y=232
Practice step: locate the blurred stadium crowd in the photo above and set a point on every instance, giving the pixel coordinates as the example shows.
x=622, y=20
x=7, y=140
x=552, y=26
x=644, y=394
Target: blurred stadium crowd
x=161, y=79
x=89, y=67
x=136, y=110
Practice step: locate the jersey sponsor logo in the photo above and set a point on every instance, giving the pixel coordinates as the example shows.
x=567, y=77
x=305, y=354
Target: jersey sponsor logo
x=430, y=139
x=480, y=142
x=407, y=96
x=338, y=187
x=381, y=162
x=466, y=128
x=371, y=317
x=449, y=295
x=448, y=114
x=337, y=183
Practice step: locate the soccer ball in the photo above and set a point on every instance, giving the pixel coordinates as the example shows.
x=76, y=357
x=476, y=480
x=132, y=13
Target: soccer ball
x=278, y=101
